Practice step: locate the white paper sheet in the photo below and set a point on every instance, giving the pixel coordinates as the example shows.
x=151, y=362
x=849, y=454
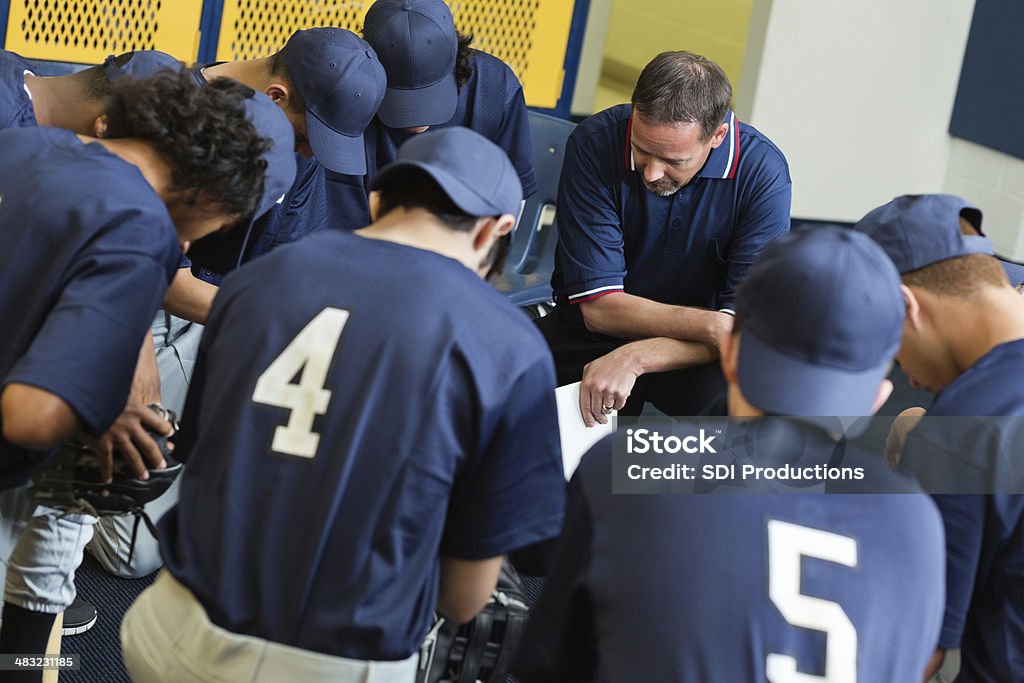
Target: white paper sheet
x=577, y=438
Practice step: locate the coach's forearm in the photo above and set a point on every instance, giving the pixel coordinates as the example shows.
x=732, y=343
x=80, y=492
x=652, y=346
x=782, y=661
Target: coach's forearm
x=632, y=317
x=189, y=297
x=663, y=354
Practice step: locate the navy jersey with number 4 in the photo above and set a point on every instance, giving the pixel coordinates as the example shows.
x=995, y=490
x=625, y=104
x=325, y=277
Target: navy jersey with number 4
x=87, y=250
x=728, y=588
x=342, y=432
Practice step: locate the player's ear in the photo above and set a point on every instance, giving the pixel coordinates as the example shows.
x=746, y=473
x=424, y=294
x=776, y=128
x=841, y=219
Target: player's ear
x=278, y=92
x=913, y=305
x=490, y=229
x=374, y=206
x=884, y=392
x=99, y=126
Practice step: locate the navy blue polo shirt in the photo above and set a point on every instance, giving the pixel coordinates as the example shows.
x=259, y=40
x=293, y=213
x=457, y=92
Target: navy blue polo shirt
x=693, y=248
x=87, y=251
x=15, y=103
x=984, y=533
x=434, y=432
x=709, y=588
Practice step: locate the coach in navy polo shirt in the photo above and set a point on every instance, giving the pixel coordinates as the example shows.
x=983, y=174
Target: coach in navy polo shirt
x=325, y=515
x=760, y=587
x=964, y=340
x=662, y=207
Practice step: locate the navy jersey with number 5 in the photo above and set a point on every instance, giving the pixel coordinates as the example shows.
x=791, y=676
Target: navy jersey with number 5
x=340, y=433
x=728, y=588
x=87, y=250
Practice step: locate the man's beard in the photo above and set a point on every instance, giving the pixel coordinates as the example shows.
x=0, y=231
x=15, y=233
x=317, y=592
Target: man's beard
x=663, y=187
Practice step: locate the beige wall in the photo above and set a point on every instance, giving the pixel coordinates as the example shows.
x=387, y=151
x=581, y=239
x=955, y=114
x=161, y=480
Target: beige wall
x=858, y=96
x=640, y=29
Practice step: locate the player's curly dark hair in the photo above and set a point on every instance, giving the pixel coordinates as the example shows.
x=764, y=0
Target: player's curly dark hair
x=215, y=153
x=463, y=60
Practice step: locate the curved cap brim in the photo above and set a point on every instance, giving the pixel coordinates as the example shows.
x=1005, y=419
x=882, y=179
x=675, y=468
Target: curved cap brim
x=465, y=196
x=779, y=384
x=333, y=150
x=433, y=105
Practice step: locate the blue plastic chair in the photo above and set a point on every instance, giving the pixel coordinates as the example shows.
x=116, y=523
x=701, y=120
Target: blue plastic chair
x=531, y=259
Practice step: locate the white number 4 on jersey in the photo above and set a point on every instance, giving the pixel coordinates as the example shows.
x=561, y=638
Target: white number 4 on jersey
x=309, y=353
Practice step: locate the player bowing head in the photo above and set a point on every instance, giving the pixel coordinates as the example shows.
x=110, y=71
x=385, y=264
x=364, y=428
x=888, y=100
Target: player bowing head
x=204, y=158
x=411, y=188
x=755, y=586
x=375, y=446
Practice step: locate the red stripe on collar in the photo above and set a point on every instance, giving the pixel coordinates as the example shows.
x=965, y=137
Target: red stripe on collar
x=736, y=152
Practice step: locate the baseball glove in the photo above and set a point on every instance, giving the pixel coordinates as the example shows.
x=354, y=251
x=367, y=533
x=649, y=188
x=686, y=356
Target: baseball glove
x=71, y=481
x=480, y=651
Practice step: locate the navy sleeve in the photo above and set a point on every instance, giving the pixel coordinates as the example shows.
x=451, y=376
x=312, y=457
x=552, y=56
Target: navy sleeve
x=512, y=493
x=16, y=109
x=590, y=241
x=765, y=214
x=88, y=346
x=964, y=519
x=559, y=643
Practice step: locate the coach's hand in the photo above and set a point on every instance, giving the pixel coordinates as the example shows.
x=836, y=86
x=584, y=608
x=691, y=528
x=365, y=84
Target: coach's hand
x=128, y=436
x=607, y=383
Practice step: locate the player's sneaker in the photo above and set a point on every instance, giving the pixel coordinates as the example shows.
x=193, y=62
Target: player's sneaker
x=78, y=618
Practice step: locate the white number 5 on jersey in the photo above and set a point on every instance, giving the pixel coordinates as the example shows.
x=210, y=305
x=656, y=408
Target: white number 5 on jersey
x=787, y=543
x=309, y=353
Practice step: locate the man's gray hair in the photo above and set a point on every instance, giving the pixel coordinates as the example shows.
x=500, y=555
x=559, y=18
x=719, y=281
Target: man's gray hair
x=681, y=87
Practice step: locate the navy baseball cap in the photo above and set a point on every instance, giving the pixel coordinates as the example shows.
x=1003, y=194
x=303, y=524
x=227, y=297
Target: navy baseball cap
x=474, y=172
x=341, y=82
x=417, y=43
x=139, y=64
x=821, y=315
x=270, y=122
x=919, y=230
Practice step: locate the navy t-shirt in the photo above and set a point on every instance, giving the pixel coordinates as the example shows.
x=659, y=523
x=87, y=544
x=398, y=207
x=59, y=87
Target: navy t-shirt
x=427, y=424
x=491, y=102
x=984, y=533
x=15, y=103
x=693, y=248
x=87, y=251
x=711, y=588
